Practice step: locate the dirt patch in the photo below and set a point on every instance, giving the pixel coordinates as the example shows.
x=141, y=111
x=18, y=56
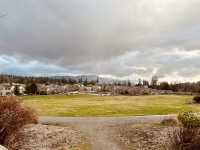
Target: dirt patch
x=115, y=133
x=143, y=137
x=100, y=137
x=46, y=137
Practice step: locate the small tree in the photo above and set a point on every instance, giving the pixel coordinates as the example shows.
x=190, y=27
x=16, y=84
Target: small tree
x=145, y=83
x=139, y=82
x=85, y=82
x=154, y=81
x=16, y=90
x=164, y=86
x=31, y=88
x=129, y=83
x=97, y=81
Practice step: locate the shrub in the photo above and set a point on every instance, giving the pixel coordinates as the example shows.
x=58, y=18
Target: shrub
x=196, y=99
x=189, y=119
x=185, y=139
x=13, y=115
x=187, y=136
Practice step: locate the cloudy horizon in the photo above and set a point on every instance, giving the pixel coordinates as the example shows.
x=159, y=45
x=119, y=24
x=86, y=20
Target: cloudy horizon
x=126, y=39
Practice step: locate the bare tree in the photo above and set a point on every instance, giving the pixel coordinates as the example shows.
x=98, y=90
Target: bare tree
x=154, y=81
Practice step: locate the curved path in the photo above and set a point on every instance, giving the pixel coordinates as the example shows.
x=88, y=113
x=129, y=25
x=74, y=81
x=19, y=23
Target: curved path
x=104, y=120
x=97, y=128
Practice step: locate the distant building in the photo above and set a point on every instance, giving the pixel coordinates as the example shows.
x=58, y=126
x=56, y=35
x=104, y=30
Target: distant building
x=21, y=88
x=7, y=89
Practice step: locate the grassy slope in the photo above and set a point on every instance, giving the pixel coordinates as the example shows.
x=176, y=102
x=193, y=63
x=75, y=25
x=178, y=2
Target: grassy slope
x=87, y=105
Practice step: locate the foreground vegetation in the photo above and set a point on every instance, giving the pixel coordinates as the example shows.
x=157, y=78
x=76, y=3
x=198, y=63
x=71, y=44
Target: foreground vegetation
x=13, y=115
x=88, y=105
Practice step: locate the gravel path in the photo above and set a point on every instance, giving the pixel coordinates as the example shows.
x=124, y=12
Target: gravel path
x=97, y=128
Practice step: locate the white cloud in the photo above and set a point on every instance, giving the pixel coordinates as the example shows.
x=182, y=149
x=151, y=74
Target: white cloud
x=128, y=38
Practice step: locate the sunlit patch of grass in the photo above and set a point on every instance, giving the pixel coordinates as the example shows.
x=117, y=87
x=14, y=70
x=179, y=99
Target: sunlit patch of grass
x=87, y=105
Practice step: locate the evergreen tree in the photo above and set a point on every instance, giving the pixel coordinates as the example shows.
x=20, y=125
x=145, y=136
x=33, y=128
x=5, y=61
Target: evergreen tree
x=31, y=88
x=85, y=82
x=16, y=90
x=129, y=83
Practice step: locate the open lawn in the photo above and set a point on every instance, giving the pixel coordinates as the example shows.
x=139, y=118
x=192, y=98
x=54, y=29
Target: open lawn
x=88, y=105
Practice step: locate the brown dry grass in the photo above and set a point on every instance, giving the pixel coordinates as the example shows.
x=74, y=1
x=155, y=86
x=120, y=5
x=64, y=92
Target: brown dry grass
x=13, y=115
x=185, y=139
x=47, y=137
x=142, y=136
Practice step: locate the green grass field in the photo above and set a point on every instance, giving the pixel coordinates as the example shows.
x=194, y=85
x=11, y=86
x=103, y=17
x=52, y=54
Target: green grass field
x=87, y=105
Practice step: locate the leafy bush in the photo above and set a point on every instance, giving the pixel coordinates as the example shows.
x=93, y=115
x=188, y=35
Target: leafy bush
x=189, y=119
x=13, y=115
x=196, y=99
x=187, y=136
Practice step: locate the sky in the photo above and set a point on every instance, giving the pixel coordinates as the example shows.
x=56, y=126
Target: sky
x=125, y=39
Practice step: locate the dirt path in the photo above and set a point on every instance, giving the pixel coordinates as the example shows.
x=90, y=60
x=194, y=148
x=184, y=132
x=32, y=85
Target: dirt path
x=99, y=137
x=97, y=128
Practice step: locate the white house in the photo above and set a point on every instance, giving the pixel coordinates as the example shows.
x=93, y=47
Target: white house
x=21, y=87
x=6, y=90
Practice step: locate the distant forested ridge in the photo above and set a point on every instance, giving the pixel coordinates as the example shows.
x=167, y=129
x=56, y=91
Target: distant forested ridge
x=40, y=80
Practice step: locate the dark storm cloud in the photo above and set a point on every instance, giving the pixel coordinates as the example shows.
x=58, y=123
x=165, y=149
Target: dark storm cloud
x=99, y=36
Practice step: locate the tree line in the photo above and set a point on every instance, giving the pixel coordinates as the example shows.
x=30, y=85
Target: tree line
x=193, y=87
x=38, y=80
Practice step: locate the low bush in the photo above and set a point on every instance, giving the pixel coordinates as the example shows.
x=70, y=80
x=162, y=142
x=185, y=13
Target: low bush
x=186, y=136
x=196, y=99
x=13, y=115
x=189, y=119
x=185, y=139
